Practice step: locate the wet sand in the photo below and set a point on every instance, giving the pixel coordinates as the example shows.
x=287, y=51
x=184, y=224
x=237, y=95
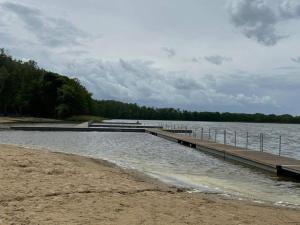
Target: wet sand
x=41, y=187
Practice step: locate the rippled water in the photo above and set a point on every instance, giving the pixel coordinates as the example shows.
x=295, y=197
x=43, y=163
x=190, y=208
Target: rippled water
x=290, y=134
x=168, y=161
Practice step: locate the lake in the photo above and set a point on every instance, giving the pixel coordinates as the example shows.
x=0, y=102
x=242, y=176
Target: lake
x=174, y=163
x=290, y=134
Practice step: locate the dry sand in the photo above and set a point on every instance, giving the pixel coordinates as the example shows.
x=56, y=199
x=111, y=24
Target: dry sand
x=40, y=187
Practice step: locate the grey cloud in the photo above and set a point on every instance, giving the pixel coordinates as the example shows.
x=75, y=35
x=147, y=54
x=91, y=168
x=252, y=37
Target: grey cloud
x=170, y=51
x=217, y=59
x=296, y=59
x=290, y=9
x=213, y=59
x=185, y=83
x=141, y=82
x=283, y=85
x=256, y=20
x=6, y=38
x=53, y=32
x=287, y=68
x=195, y=60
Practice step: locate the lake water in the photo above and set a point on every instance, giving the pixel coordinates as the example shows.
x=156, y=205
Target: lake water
x=290, y=134
x=168, y=161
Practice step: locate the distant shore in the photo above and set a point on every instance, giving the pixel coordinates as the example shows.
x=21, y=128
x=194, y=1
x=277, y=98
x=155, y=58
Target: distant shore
x=42, y=187
x=8, y=120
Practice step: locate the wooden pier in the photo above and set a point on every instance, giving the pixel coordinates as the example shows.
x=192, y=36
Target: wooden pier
x=179, y=131
x=282, y=166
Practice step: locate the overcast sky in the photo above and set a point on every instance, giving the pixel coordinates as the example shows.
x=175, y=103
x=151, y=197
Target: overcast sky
x=204, y=55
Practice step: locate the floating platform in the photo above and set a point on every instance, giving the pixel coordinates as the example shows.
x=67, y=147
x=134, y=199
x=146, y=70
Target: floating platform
x=122, y=125
x=282, y=166
x=78, y=129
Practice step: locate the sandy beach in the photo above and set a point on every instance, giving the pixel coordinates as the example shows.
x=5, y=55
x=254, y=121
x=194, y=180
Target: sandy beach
x=41, y=187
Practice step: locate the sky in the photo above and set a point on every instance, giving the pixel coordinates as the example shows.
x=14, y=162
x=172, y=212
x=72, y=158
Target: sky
x=203, y=55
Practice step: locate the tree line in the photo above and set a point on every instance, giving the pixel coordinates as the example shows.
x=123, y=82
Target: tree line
x=27, y=90
x=120, y=110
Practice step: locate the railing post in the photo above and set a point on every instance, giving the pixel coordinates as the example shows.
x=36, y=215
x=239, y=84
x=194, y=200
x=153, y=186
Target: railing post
x=262, y=142
x=201, y=133
x=209, y=134
x=247, y=137
x=259, y=141
x=225, y=137
x=234, y=138
x=215, y=135
x=280, y=145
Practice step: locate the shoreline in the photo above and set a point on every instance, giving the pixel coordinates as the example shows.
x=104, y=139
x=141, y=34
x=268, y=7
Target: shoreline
x=42, y=186
x=167, y=183
x=157, y=179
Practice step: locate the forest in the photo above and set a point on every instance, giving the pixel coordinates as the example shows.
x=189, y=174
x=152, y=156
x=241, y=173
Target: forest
x=27, y=90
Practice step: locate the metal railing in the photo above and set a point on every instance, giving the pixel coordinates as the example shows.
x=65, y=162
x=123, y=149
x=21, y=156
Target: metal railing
x=245, y=139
